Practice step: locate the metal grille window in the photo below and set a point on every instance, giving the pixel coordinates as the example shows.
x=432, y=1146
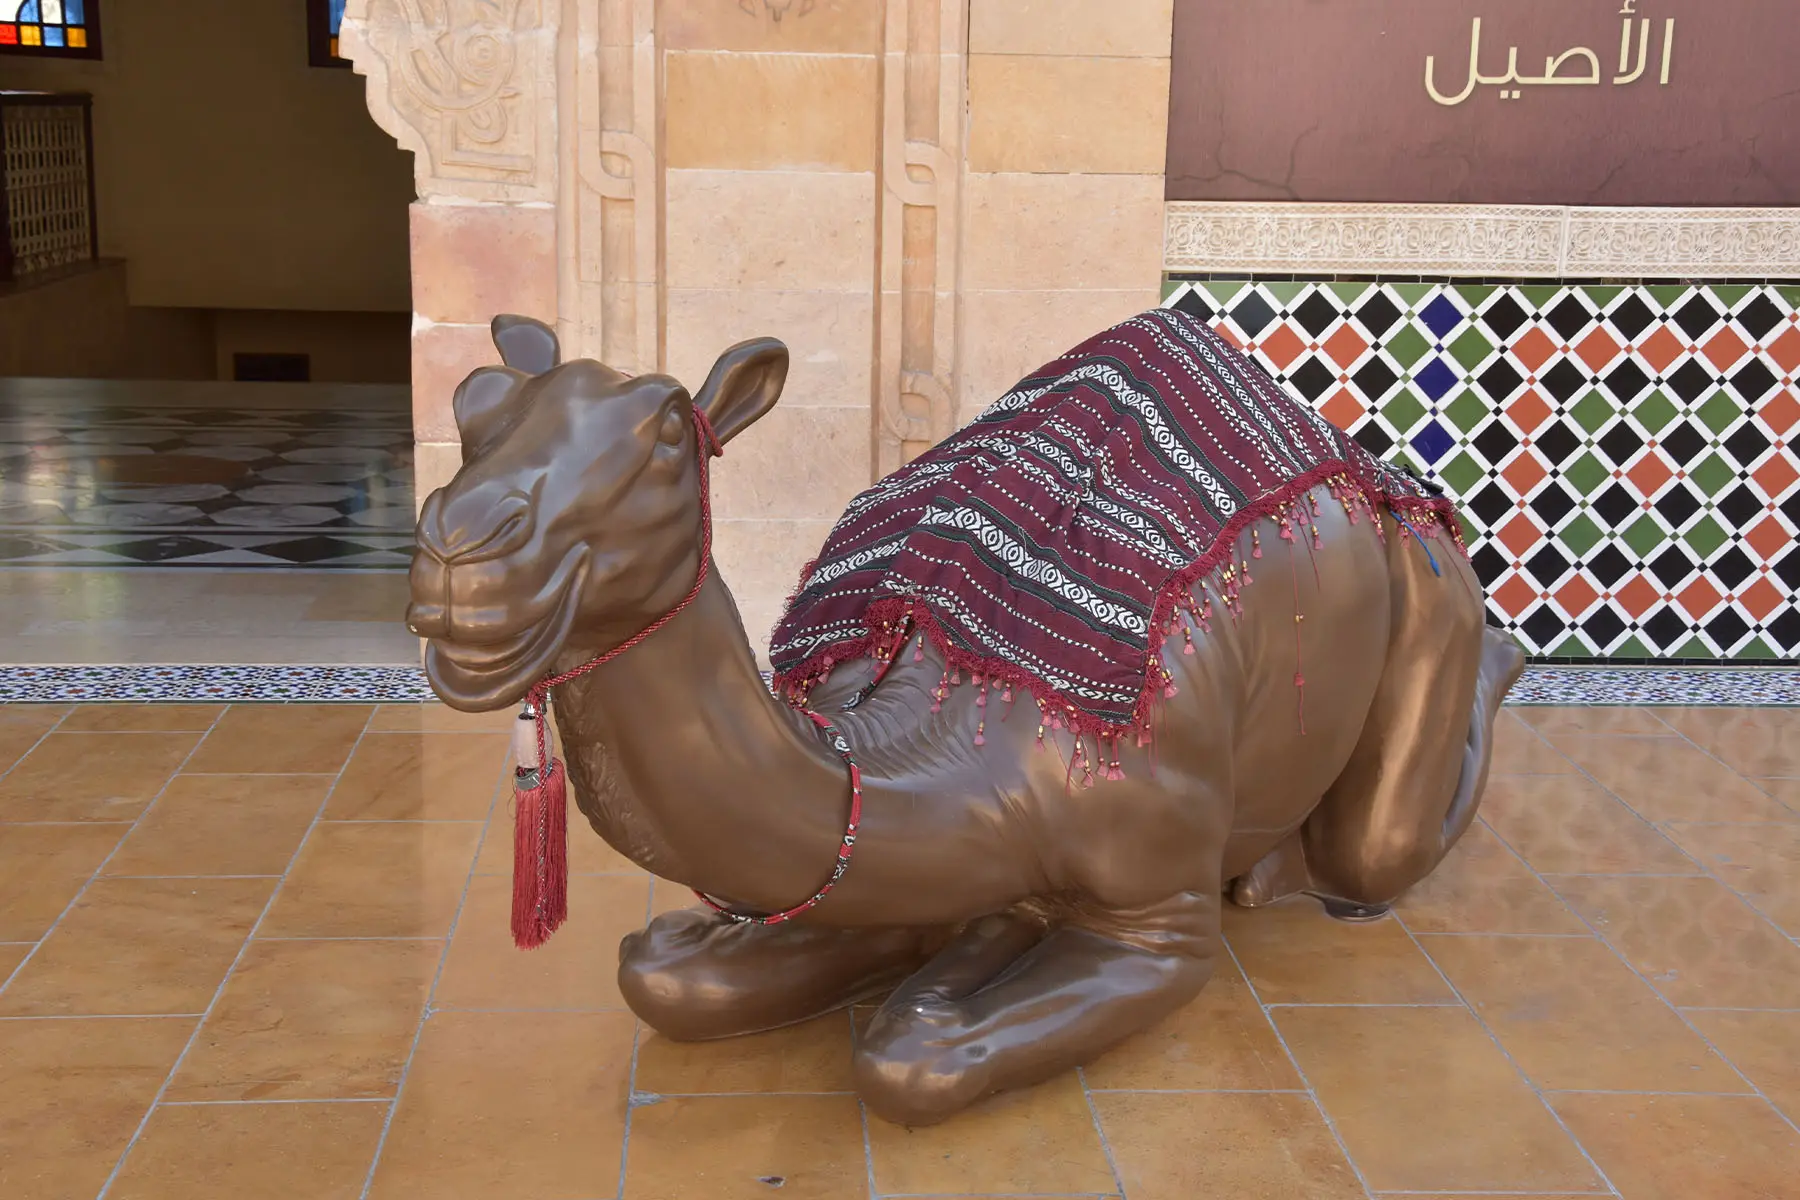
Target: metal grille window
x=49, y=219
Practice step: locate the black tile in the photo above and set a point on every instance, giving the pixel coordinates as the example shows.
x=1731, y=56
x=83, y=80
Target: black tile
x=1374, y=379
x=1747, y=443
x=1677, y=505
x=1697, y=317
x=1740, y=506
x=1602, y=626
x=1491, y=504
x=1672, y=567
x=1317, y=312
x=1558, y=443
x=1787, y=569
x=1692, y=381
x=1685, y=444
x=1570, y=316
x=1620, y=444
x=1500, y=381
x=1373, y=438
x=1626, y=382
x=1753, y=381
x=1631, y=316
x=1378, y=314
x=1784, y=630
x=1313, y=378
x=1545, y=627
x=1195, y=304
x=314, y=549
x=1495, y=442
x=163, y=549
x=1564, y=380
x=1252, y=313
x=1609, y=565
x=1760, y=315
x=1616, y=505
x=1666, y=630
x=1728, y=629
x=1547, y=566
x=1732, y=567
x=1489, y=565
x=1503, y=316
x=13, y=547
x=1552, y=503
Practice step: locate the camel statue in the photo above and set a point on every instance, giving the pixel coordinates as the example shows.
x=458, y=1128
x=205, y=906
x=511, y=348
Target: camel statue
x=1288, y=688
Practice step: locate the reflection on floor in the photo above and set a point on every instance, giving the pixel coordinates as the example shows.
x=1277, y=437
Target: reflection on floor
x=204, y=522
x=261, y=951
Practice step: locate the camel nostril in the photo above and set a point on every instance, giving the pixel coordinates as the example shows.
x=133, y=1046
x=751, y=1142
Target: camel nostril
x=464, y=536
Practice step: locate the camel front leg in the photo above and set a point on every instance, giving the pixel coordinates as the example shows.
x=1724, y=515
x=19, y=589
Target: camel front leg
x=1006, y=1005
x=692, y=975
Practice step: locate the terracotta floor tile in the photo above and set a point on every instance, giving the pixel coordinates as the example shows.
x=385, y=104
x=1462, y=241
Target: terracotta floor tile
x=515, y=1107
x=1425, y=1100
x=1294, y=954
x=1682, y=1147
x=403, y=879
x=441, y=718
x=311, y=1021
x=265, y=1151
x=1668, y=779
x=1254, y=1146
x=577, y=968
x=139, y=946
x=223, y=825
x=142, y=718
x=1554, y=722
x=71, y=1095
x=92, y=776
x=1220, y=1040
x=1785, y=790
x=814, y=1057
x=1759, y=862
x=42, y=867
x=1568, y=826
x=1765, y=1046
x=738, y=1147
x=1041, y=1139
x=21, y=725
x=1694, y=940
x=1518, y=750
x=281, y=739
x=1574, y=1017
x=668, y=896
x=1482, y=887
x=11, y=955
x=1755, y=741
x=588, y=852
x=420, y=777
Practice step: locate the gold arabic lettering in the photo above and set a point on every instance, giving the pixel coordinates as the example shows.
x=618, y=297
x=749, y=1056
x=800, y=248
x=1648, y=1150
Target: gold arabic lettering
x=1511, y=83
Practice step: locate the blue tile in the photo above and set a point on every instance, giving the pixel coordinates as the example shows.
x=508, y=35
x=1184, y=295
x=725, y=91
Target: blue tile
x=1433, y=442
x=1441, y=316
x=1437, y=379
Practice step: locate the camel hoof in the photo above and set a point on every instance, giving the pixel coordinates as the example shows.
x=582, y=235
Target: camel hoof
x=1349, y=910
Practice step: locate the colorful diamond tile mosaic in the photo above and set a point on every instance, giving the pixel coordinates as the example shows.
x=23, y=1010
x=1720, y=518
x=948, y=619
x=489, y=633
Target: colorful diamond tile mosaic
x=1624, y=455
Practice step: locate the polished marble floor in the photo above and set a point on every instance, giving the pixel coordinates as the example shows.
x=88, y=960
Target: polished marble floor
x=260, y=951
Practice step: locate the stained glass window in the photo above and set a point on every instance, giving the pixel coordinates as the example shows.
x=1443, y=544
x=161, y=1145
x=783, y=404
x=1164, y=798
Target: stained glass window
x=324, y=18
x=66, y=28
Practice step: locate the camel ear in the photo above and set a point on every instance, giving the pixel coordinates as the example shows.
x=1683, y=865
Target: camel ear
x=744, y=384
x=483, y=406
x=526, y=344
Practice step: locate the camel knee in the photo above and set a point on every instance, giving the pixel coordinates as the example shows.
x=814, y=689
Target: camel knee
x=907, y=1081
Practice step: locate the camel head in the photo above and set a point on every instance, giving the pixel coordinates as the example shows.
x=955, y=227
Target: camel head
x=575, y=518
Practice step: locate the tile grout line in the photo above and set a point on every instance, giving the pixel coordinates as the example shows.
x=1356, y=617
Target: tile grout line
x=1632, y=967
x=1683, y=735
x=637, y=1037
x=249, y=938
x=1087, y=1095
x=1294, y=1061
x=130, y=828
x=425, y=1010
x=1519, y=1070
x=862, y=1111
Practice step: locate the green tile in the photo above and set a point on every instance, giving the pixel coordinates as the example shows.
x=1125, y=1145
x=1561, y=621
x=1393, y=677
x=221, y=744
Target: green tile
x=1789, y=293
x=1472, y=349
x=1600, y=297
x=1588, y=476
x=1580, y=534
x=1729, y=294
x=1706, y=536
x=1668, y=295
x=1469, y=532
x=1713, y=475
x=1286, y=291
x=1644, y=535
x=1540, y=295
x=1631, y=647
x=1402, y=410
x=1170, y=289
x=1720, y=412
x=1572, y=647
x=1407, y=346
x=1223, y=291
x=1349, y=294
x=1756, y=649
x=1692, y=648
x=1473, y=295
x=1593, y=412
x=1462, y=474
x=1468, y=412
x=1655, y=411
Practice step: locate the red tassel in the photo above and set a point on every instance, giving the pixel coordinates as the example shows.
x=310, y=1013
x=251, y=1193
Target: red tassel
x=540, y=859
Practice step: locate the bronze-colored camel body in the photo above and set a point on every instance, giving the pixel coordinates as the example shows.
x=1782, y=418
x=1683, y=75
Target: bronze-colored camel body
x=1012, y=927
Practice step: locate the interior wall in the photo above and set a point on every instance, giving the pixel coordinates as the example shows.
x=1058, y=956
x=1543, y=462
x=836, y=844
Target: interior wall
x=230, y=173
x=79, y=326
x=344, y=347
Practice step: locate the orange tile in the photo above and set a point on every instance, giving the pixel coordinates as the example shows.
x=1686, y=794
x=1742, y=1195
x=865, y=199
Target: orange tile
x=1699, y=598
x=1342, y=409
x=1759, y=862
x=504, y=1107
x=11, y=955
x=1219, y=1041
x=1040, y=1139
x=420, y=777
x=268, y=1151
x=1776, y=475
x=1561, y=722
x=1597, y=349
x=588, y=852
x=1576, y=1018
x=142, y=718
x=21, y=727
x=1696, y=942
x=92, y=776
x=1345, y=346
x=223, y=825
x=1661, y=349
x=1755, y=741
x=1668, y=779
x=42, y=867
x=1781, y=411
x=1681, y=1147
x=312, y=1021
x=814, y=1057
x=71, y=1095
x=1482, y=887
x=1650, y=473
x=1528, y=411
x=576, y=969
x=1765, y=1046
x=1282, y=347
x=1566, y=825
x=747, y=1147
x=1518, y=750
x=1520, y=534
x=1534, y=349
x=1294, y=954
x=281, y=739
x=1425, y=1101
x=398, y=879
x=1255, y=1145
x=440, y=718
x=139, y=947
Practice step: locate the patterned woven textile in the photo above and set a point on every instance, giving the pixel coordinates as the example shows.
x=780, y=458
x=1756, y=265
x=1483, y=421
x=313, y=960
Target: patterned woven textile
x=1054, y=543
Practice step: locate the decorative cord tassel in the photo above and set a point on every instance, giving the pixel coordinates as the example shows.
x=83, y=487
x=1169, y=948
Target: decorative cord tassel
x=540, y=832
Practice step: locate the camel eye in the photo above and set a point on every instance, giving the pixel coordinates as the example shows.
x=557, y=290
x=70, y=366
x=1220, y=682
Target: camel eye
x=673, y=430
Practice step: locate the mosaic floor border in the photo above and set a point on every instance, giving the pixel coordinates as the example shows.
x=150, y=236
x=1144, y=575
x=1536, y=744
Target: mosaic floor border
x=1735, y=687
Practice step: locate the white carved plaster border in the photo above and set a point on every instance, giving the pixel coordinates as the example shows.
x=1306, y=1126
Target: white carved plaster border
x=1517, y=241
